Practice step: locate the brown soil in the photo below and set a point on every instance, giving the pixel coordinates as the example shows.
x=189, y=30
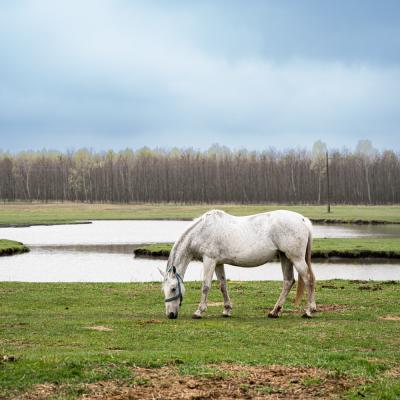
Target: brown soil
x=331, y=287
x=367, y=287
x=227, y=382
x=322, y=308
x=149, y=321
x=331, y=307
x=390, y=318
x=99, y=328
x=393, y=372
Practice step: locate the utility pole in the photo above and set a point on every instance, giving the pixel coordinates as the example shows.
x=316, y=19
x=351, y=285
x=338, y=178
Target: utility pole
x=327, y=182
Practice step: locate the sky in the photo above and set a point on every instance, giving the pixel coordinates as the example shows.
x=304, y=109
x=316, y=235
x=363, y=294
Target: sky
x=112, y=74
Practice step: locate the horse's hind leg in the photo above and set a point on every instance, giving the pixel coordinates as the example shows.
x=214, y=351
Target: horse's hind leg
x=308, y=279
x=220, y=272
x=288, y=282
x=208, y=272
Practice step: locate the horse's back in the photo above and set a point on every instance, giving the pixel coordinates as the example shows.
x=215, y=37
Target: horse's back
x=218, y=222
x=290, y=219
x=232, y=240
x=250, y=240
x=291, y=232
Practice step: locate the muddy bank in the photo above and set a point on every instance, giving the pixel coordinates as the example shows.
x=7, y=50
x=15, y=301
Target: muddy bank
x=323, y=249
x=354, y=221
x=44, y=224
x=11, y=247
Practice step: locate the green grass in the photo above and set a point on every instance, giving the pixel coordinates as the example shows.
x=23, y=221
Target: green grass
x=44, y=326
x=322, y=248
x=60, y=213
x=9, y=247
x=357, y=247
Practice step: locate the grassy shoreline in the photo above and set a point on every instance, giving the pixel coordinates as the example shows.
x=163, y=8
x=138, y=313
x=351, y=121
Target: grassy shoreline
x=322, y=248
x=23, y=214
x=60, y=341
x=11, y=247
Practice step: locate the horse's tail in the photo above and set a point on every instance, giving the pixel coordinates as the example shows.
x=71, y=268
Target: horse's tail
x=311, y=276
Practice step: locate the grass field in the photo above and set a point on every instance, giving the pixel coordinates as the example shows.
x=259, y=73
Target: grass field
x=64, y=340
x=10, y=247
x=322, y=248
x=60, y=213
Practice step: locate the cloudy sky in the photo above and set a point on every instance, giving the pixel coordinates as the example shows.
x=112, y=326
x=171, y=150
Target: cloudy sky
x=116, y=73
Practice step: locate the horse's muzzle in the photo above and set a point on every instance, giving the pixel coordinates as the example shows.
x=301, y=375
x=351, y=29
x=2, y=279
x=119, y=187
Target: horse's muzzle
x=171, y=315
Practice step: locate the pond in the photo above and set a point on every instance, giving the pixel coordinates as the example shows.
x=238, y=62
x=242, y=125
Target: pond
x=134, y=232
x=103, y=252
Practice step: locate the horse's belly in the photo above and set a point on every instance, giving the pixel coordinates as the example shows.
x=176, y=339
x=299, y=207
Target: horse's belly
x=251, y=259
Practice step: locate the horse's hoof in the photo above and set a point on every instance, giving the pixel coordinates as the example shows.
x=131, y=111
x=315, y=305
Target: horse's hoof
x=227, y=312
x=271, y=315
x=306, y=315
x=196, y=316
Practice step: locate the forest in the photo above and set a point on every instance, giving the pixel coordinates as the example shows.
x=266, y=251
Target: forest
x=216, y=175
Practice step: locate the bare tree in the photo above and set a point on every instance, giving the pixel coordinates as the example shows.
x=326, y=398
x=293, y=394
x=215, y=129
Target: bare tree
x=213, y=176
x=318, y=163
x=367, y=154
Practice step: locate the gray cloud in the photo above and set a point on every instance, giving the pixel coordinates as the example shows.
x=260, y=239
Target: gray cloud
x=108, y=74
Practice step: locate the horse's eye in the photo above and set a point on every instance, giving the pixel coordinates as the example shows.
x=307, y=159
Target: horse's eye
x=173, y=289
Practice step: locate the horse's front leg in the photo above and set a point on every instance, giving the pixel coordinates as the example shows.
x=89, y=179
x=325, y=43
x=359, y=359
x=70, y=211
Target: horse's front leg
x=208, y=271
x=220, y=272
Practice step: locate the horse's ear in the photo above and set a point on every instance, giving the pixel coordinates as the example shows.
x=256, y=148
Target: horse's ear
x=174, y=270
x=161, y=272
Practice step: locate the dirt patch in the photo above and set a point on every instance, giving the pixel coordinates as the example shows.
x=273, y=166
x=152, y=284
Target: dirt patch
x=215, y=304
x=393, y=372
x=115, y=349
x=390, y=318
x=367, y=287
x=39, y=392
x=149, y=321
x=331, y=307
x=321, y=308
x=331, y=287
x=100, y=328
x=14, y=325
x=222, y=382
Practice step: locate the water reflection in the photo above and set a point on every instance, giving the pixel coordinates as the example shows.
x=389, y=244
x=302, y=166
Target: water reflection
x=67, y=265
x=91, y=248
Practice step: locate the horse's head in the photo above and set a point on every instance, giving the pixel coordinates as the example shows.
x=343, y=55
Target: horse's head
x=173, y=291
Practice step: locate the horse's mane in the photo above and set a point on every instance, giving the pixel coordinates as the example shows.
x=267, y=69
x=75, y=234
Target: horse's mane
x=182, y=238
x=195, y=222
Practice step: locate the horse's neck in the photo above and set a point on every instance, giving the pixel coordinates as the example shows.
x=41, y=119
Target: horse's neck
x=180, y=257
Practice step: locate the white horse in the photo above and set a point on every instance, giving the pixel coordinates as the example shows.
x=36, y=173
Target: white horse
x=218, y=238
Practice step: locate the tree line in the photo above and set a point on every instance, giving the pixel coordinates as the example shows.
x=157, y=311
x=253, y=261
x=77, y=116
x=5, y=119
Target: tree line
x=217, y=175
